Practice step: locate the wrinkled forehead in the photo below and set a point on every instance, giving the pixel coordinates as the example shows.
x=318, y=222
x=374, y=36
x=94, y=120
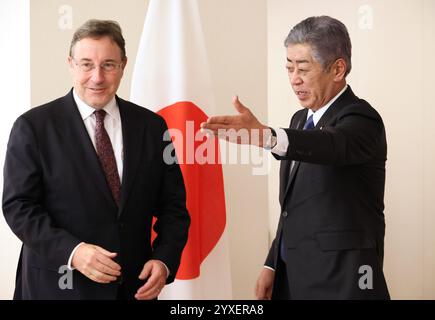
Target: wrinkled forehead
x=299, y=53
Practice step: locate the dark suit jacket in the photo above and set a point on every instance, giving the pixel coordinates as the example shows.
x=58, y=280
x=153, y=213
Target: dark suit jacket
x=56, y=196
x=332, y=220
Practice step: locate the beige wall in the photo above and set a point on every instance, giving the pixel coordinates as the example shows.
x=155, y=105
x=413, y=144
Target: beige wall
x=235, y=35
x=393, y=69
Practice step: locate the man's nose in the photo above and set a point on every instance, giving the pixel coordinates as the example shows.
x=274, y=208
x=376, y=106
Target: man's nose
x=97, y=74
x=295, y=78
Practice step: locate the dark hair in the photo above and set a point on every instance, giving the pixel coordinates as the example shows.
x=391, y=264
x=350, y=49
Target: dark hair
x=328, y=38
x=97, y=29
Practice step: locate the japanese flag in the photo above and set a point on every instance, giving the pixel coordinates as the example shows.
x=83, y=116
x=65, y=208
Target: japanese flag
x=171, y=77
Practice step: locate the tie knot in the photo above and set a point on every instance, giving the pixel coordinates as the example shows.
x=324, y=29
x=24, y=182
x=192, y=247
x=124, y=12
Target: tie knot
x=309, y=124
x=99, y=115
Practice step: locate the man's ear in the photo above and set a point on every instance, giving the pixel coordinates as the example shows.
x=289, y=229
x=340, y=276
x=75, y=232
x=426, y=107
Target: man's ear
x=339, y=69
x=70, y=61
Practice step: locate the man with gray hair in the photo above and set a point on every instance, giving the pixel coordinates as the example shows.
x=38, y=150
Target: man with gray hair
x=84, y=178
x=329, y=242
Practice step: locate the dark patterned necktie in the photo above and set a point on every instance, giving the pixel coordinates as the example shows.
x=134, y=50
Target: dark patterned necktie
x=106, y=155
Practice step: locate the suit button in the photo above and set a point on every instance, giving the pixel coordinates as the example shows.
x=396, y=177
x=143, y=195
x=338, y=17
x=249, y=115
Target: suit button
x=121, y=225
x=285, y=214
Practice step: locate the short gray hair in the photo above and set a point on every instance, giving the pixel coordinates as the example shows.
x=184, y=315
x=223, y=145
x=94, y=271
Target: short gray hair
x=328, y=38
x=97, y=29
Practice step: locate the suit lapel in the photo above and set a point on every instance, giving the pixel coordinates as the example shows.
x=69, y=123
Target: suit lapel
x=79, y=145
x=346, y=98
x=291, y=171
x=133, y=128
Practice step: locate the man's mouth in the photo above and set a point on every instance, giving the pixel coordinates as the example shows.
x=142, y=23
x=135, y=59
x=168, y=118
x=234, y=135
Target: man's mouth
x=301, y=94
x=97, y=90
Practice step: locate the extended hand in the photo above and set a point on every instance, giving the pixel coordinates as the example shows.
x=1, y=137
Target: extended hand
x=243, y=128
x=156, y=273
x=96, y=263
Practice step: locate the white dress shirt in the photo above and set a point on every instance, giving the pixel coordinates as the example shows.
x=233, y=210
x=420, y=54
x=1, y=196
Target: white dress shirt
x=112, y=124
x=282, y=142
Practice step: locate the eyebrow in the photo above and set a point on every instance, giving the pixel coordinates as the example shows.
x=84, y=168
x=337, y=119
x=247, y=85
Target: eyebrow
x=90, y=60
x=298, y=61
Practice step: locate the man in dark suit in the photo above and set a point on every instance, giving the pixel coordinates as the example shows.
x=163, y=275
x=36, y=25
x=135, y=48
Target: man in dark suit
x=83, y=178
x=330, y=237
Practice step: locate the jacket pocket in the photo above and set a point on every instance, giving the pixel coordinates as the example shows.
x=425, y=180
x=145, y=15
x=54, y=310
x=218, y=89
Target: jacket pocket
x=344, y=240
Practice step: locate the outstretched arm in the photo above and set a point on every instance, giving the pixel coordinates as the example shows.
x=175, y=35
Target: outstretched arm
x=243, y=128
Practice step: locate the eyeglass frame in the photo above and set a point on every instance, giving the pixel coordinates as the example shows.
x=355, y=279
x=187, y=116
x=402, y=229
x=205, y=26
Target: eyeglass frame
x=80, y=65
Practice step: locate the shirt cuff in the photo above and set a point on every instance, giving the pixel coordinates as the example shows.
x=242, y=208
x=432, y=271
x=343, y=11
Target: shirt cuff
x=270, y=268
x=282, y=143
x=166, y=267
x=70, y=267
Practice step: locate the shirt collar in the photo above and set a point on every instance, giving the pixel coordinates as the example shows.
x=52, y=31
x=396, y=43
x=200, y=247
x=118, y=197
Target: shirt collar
x=320, y=112
x=86, y=111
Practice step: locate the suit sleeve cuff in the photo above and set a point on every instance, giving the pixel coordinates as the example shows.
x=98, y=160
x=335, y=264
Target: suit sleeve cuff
x=282, y=143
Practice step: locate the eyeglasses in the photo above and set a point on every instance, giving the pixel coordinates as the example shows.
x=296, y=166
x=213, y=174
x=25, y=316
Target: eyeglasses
x=108, y=66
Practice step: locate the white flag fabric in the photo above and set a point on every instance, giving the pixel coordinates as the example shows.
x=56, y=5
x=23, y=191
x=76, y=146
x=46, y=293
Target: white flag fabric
x=171, y=77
